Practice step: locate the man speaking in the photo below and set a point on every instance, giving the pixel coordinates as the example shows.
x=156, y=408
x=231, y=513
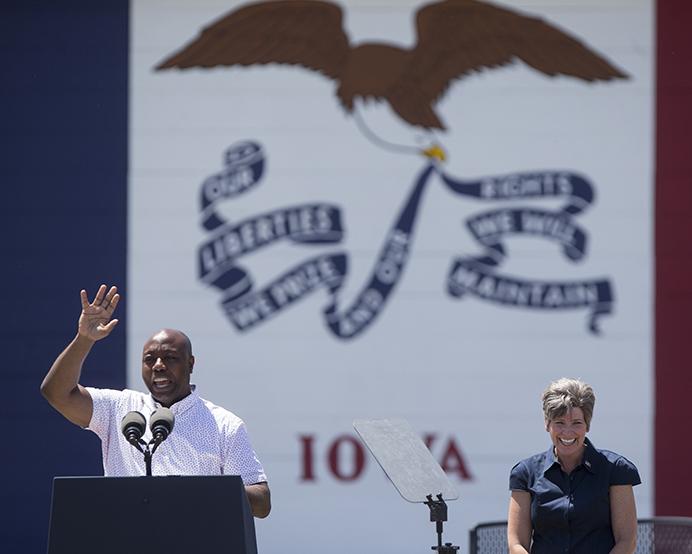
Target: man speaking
x=207, y=440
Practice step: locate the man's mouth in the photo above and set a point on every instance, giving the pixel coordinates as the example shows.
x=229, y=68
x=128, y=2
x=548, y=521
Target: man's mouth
x=567, y=442
x=161, y=383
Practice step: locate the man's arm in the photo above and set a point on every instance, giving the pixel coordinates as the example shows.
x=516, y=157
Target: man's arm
x=61, y=385
x=260, y=499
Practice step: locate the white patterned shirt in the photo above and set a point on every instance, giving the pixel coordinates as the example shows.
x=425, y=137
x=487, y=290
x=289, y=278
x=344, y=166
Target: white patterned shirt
x=206, y=439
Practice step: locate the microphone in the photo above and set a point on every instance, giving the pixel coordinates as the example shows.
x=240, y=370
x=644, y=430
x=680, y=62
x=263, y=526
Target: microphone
x=161, y=424
x=133, y=426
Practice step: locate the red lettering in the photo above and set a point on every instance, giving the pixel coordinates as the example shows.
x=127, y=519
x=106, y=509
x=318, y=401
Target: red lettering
x=357, y=465
x=345, y=457
x=453, y=461
x=307, y=457
x=429, y=439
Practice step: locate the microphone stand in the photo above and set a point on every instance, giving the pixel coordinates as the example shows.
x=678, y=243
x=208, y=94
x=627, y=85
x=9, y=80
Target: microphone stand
x=133, y=426
x=148, y=453
x=147, y=460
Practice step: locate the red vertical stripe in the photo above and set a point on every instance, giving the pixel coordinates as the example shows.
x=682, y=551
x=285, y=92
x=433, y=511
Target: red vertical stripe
x=673, y=244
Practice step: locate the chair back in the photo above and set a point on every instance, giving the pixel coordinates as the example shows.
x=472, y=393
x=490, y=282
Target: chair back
x=658, y=535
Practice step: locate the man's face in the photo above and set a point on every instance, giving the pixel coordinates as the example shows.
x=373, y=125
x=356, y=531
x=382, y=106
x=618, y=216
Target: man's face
x=166, y=367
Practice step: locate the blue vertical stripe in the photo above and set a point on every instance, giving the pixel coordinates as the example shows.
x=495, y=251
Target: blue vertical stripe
x=63, y=172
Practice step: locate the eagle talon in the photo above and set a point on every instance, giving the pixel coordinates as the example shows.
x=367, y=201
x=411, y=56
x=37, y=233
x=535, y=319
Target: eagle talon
x=435, y=152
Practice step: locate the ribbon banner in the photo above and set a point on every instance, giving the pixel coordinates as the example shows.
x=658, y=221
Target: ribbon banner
x=469, y=275
x=477, y=276
x=321, y=224
x=387, y=272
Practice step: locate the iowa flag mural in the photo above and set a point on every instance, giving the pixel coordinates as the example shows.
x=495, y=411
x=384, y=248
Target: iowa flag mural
x=356, y=211
x=424, y=211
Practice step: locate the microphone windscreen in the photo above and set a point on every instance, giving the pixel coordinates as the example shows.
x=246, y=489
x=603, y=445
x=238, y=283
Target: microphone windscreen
x=162, y=417
x=134, y=420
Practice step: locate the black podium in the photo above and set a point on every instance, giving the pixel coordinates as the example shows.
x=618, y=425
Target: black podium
x=151, y=515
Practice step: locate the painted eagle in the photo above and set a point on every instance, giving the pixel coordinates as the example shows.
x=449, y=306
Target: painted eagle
x=455, y=39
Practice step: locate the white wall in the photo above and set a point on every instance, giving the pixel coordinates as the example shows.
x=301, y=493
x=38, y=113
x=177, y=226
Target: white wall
x=467, y=370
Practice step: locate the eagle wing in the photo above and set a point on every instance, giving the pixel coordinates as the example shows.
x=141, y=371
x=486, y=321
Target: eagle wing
x=307, y=33
x=457, y=37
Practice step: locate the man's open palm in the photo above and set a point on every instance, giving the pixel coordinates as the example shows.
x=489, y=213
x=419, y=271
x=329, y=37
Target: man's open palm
x=95, y=322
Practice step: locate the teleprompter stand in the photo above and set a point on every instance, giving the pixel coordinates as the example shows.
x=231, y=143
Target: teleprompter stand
x=156, y=515
x=411, y=469
x=438, y=514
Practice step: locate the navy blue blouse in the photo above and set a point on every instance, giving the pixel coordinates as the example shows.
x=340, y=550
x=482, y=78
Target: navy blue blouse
x=571, y=513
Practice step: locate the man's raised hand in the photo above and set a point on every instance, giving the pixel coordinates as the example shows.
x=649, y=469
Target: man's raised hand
x=61, y=385
x=95, y=322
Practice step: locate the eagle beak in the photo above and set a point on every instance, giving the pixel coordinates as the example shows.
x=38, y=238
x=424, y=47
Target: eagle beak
x=435, y=152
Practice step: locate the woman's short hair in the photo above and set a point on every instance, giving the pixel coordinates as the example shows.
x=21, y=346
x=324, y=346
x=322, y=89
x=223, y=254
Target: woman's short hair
x=563, y=395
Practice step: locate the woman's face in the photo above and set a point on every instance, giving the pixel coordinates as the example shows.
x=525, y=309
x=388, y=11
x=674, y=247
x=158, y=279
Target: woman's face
x=568, y=433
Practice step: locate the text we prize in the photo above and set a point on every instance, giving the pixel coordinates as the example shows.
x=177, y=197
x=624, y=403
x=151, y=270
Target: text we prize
x=344, y=458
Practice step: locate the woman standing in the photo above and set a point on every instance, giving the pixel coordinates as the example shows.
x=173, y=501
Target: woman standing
x=572, y=498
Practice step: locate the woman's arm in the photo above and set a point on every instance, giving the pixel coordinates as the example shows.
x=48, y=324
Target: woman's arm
x=519, y=522
x=623, y=517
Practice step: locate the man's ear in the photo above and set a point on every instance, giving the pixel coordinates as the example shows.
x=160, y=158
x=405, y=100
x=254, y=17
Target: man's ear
x=192, y=363
x=547, y=425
